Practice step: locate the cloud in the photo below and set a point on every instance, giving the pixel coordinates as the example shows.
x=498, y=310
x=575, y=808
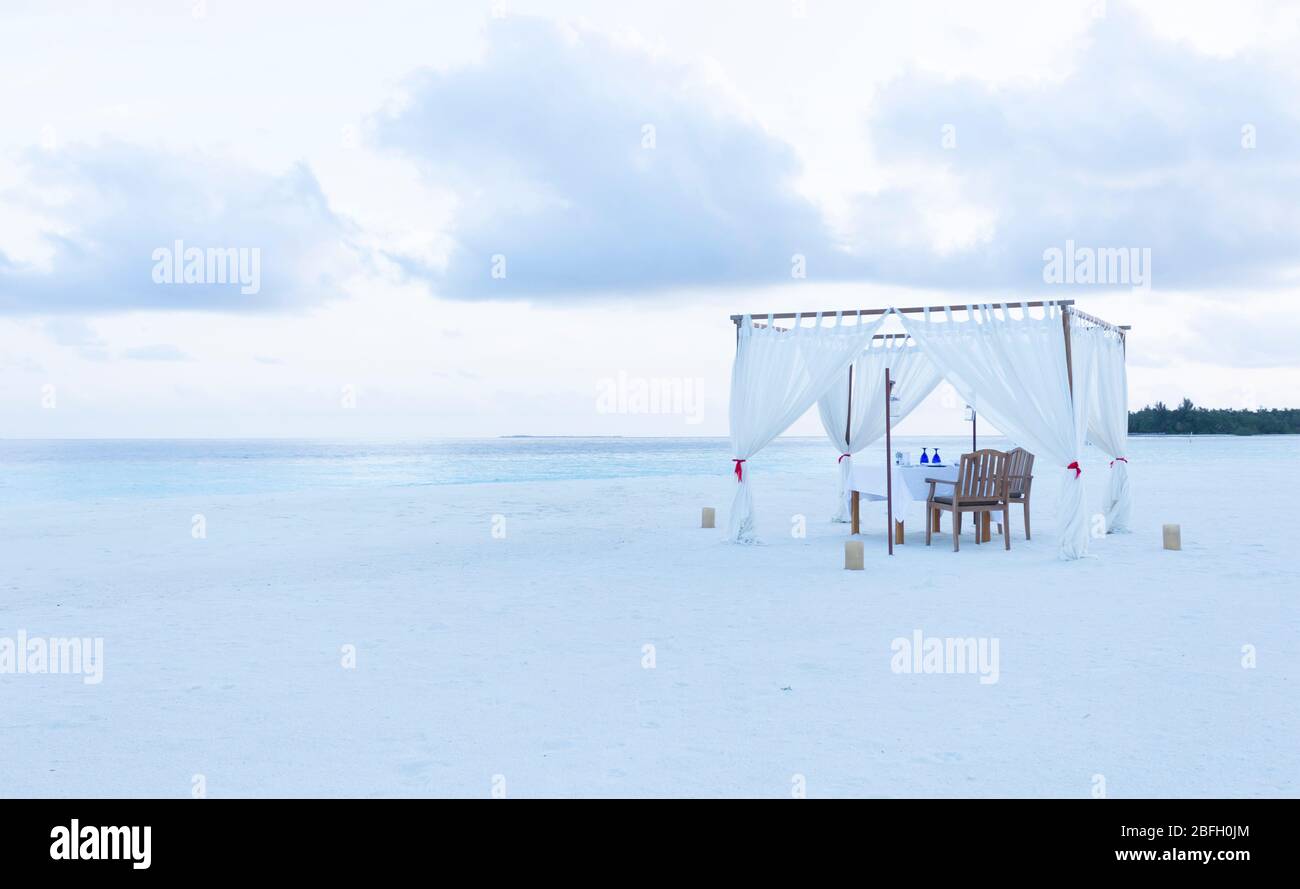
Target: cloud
x=75, y=333
x=591, y=165
x=103, y=211
x=1144, y=144
x=595, y=166
x=1141, y=145
x=71, y=332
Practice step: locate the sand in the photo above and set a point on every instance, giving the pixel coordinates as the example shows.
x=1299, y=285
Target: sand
x=519, y=662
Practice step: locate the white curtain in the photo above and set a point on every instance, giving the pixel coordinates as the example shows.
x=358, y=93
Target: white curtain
x=1013, y=371
x=777, y=376
x=915, y=379
x=1108, y=416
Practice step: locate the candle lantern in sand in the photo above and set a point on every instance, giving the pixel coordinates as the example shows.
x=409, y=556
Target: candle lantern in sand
x=853, y=555
x=1173, y=537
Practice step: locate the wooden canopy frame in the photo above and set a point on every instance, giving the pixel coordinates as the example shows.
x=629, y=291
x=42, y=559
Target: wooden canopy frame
x=1068, y=311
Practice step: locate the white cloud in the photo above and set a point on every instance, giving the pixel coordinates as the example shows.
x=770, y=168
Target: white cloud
x=1146, y=143
x=1142, y=143
x=102, y=211
x=587, y=164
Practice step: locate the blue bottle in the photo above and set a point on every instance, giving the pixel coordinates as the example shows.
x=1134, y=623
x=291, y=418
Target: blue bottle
x=924, y=457
x=937, y=458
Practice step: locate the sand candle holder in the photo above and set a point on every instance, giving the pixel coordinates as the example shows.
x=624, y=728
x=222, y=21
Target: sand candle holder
x=853, y=555
x=1173, y=537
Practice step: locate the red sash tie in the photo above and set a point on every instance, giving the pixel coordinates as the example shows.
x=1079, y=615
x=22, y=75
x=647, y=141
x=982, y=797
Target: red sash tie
x=842, y=456
x=1120, y=459
x=1075, y=466
x=737, y=462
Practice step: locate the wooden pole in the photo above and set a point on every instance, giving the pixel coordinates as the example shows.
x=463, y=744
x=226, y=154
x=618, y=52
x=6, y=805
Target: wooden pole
x=1069, y=365
x=1069, y=360
x=848, y=426
x=973, y=419
x=848, y=423
x=889, y=468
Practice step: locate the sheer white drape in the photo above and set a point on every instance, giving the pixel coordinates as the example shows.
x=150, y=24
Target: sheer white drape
x=1108, y=416
x=1013, y=371
x=779, y=374
x=915, y=379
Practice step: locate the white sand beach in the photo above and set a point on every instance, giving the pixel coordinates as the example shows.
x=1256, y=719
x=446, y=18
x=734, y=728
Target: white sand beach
x=522, y=656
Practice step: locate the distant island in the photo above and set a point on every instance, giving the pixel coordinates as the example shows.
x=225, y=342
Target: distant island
x=1187, y=419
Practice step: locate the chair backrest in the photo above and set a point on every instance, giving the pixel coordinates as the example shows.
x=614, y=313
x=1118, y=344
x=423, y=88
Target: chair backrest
x=1021, y=473
x=983, y=475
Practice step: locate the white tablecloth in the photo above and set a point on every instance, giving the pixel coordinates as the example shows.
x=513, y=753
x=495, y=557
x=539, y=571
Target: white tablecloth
x=910, y=485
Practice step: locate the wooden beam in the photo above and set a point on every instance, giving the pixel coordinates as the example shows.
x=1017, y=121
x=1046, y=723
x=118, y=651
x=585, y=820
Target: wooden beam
x=880, y=336
x=759, y=318
x=909, y=310
x=1098, y=322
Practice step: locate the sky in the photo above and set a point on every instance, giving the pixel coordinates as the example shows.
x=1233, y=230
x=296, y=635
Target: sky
x=490, y=218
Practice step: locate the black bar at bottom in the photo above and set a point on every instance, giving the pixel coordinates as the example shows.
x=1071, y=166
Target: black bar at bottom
x=336, y=838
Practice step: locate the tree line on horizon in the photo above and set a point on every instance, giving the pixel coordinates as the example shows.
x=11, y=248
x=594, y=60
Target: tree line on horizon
x=1187, y=419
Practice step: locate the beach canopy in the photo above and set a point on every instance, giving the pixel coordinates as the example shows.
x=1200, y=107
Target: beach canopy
x=1048, y=379
x=852, y=411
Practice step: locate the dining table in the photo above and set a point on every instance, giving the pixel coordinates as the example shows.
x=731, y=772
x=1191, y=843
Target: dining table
x=909, y=488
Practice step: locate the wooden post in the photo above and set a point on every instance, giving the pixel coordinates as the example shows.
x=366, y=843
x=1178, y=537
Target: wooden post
x=848, y=422
x=848, y=426
x=1069, y=360
x=854, y=499
x=889, y=467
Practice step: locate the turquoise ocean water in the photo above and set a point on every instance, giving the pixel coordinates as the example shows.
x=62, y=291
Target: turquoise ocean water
x=85, y=469
x=72, y=470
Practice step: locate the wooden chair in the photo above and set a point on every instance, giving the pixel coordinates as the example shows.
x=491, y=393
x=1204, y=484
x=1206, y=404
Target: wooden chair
x=981, y=486
x=1021, y=478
